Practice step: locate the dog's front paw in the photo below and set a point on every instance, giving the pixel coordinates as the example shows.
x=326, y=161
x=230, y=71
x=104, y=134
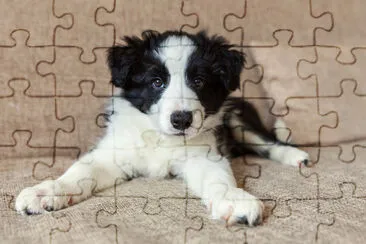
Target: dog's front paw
x=238, y=206
x=46, y=196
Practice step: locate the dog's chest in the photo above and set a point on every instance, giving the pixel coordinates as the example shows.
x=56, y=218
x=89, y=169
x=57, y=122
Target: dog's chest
x=157, y=155
x=134, y=138
x=166, y=154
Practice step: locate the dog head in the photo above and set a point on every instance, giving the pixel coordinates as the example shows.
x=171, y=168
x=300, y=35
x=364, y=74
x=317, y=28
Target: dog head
x=178, y=79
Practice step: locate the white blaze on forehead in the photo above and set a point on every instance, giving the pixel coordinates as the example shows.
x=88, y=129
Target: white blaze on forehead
x=177, y=48
x=175, y=52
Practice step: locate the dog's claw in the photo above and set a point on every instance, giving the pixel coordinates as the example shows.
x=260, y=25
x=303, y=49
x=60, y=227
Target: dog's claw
x=49, y=208
x=305, y=162
x=29, y=212
x=243, y=220
x=258, y=221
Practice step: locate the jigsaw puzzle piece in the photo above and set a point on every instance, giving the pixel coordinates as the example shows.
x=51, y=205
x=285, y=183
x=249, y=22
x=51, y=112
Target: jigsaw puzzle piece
x=289, y=184
x=179, y=148
x=252, y=73
x=350, y=121
x=350, y=216
x=280, y=79
x=20, y=147
x=19, y=62
x=17, y=169
x=35, y=16
x=301, y=225
x=131, y=224
x=158, y=15
x=276, y=15
x=212, y=19
x=51, y=169
x=240, y=165
x=28, y=171
x=252, y=76
x=331, y=172
x=85, y=119
x=288, y=129
x=153, y=190
x=19, y=156
x=19, y=108
x=84, y=227
x=48, y=224
x=232, y=234
x=6, y=201
x=69, y=71
x=325, y=66
x=74, y=224
x=193, y=148
x=263, y=106
x=78, y=34
x=307, y=133
x=344, y=16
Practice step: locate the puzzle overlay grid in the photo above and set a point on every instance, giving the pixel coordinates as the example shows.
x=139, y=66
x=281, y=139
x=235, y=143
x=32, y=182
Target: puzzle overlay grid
x=305, y=66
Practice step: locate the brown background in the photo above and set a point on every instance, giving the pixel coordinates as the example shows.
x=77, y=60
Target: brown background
x=306, y=65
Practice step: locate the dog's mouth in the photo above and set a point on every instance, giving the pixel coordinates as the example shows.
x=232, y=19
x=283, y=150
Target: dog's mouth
x=176, y=133
x=186, y=133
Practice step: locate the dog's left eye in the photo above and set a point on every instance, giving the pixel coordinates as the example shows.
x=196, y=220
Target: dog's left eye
x=158, y=83
x=198, y=83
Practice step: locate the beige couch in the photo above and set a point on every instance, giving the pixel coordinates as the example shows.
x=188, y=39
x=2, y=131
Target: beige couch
x=306, y=65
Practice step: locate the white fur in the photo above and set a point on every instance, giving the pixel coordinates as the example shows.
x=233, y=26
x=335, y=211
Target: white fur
x=174, y=53
x=133, y=147
x=288, y=155
x=138, y=144
x=282, y=132
x=277, y=152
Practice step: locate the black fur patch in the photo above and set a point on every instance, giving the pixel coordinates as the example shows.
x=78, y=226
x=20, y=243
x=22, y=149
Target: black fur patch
x=133, y=67
x=249, y=120
x=218, y=65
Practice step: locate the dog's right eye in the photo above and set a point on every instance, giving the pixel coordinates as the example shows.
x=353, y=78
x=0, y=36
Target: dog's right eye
x=158, y=83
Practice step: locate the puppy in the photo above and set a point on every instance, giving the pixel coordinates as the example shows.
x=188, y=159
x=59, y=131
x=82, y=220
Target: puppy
x=173, y=117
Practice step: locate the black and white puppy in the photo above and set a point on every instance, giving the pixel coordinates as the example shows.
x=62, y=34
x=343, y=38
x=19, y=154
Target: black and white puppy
x=173, y=117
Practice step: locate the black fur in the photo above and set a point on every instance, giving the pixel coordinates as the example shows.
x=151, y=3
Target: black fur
x=133, y=66
x=219, y=66
x=250, y=121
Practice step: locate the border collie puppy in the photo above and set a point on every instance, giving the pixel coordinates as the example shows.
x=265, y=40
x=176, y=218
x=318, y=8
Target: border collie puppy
x=173, y=117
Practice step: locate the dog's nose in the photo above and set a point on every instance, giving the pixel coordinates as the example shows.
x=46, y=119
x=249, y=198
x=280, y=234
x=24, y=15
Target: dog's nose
x=181, y=119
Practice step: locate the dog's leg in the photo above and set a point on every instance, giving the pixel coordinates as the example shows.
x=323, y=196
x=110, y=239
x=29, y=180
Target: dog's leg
x=215, y=184
x=254, y=136
x=276, y=150
x=94, y=171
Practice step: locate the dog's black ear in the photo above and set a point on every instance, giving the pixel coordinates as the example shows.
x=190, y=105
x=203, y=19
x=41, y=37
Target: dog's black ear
x=228, y=62
x=230, y=67
x=120, y=61
x=122, y=58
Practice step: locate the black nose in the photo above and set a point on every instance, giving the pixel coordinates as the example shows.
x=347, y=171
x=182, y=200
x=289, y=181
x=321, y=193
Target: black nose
x=181, y=119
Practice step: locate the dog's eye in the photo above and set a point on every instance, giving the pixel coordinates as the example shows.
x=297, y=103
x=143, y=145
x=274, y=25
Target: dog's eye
x=198, y=83
x=158, y=83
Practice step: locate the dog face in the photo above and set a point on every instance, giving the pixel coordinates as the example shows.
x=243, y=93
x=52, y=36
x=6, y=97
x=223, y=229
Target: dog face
x=178, y=79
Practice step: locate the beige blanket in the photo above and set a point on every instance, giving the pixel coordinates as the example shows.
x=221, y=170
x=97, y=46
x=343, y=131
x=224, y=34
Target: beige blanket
x=306, y=65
